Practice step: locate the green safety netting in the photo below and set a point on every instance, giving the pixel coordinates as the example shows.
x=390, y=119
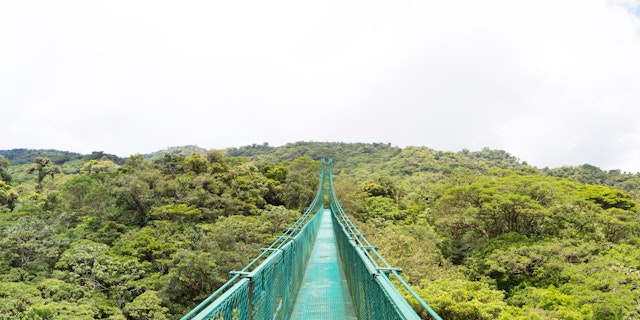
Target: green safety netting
x=368, y=273
x=267, y=288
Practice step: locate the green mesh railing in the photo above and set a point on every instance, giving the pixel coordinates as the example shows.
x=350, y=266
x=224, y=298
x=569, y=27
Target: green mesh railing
x=266, y=288
x=368, y=273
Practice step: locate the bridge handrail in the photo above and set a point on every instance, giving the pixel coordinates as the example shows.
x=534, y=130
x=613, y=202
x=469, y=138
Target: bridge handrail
x=246, y=294
x=288, y=235
x=364, y=247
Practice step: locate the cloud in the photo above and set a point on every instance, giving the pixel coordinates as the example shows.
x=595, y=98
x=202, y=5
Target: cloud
x=551, y=82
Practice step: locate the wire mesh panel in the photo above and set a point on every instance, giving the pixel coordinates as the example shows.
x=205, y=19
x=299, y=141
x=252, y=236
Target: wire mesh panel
x=234, y=304
x=367, y=273
x=277, y=280
x=371, y=298
x=267, y=292
x=266, y=288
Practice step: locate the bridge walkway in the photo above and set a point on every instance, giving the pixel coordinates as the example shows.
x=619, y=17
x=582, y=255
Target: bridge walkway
x=324, y=292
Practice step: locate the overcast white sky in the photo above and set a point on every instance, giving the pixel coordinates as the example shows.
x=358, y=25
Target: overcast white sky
x=553, y=82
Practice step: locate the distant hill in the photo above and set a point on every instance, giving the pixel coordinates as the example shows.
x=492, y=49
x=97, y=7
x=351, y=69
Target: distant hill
x=369, y=157
x=341, y=152
x=383, y=157
x=180, y=150
x=25, y=156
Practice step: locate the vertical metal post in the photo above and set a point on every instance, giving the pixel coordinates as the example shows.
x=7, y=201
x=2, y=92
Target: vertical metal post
x=250, y=306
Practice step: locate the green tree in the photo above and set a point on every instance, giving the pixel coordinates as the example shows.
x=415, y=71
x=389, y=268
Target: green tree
x=278, y=217
x=134, y=195
x=76, y=190
x=380, y=209
x=494, y=205
x=607, y=281
x=413, y=247
x=217, y=161
x=462, y=299
x=8, y=196
x=550, y=303
x=238, y=235
x=44, y=167
x=171, y=164
x=196, y=163
x=98, y=167
x=193, y=276
x=58, y=290
x=373, y=189
x=147, y=306
x=151, y=244
x=276, y=178
x=177, y=212
x=135, y=161
x=608, y=198
x=32, y=245
x=17, y=300
x=92, y=265
x=513, y=260
x=278, y=173
x=617, y=224
x=301, y=182
x=4, y=174
x=247, y=188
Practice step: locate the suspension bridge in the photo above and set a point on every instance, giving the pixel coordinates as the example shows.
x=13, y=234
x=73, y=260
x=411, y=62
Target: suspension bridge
x=322, y=267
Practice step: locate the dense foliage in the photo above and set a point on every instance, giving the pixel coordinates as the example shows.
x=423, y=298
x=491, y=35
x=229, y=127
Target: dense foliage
x=480, y=235
x=142, y=240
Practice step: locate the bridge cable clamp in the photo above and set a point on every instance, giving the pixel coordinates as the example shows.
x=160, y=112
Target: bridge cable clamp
x=389, y=270
x=375, y=248
x=242, y=274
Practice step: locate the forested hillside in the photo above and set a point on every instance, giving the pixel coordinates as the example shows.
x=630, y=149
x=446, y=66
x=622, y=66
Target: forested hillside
x=480, y=235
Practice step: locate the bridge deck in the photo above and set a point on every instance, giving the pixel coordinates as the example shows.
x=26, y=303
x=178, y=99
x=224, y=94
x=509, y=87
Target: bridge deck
x=324, y=293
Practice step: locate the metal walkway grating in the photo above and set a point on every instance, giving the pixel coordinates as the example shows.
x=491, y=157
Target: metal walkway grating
x=324, y=293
